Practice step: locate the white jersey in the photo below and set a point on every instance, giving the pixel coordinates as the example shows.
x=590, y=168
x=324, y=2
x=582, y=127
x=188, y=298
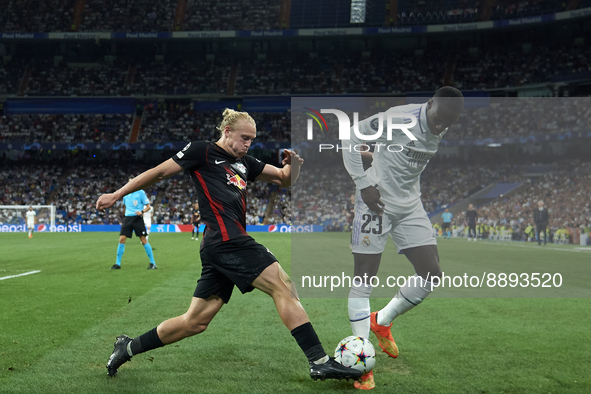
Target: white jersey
x=31, y=217
x=397, y=163
x=148, y=215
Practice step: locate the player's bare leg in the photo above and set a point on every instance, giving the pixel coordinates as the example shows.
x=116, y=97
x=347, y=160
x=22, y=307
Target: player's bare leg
x=275, y=282
x=200, y=313
x=425, y=260
x=194, y=321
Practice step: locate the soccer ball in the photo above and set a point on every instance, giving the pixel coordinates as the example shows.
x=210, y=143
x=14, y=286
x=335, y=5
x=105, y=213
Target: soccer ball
x=357, y=353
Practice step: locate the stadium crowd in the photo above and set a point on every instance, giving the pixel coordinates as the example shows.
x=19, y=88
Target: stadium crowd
x=178, y=121
x=182, y=77
x=566, y=192
x=71, y=128
x=128, y=15
x=21, y=16
x=419, y=12
x=232, y=15
x=164, y=122
x=72, y=186
x=283, y=76
x=513, y=117
x=449, y=182
x=48, y=79
x=504, y=67
x=387, y=74
x=322, y=195
x=326, y=74
x=144, y=16
x=507, y=9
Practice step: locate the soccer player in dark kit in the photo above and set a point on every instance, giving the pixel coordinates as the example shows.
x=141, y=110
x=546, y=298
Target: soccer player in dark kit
x=229, y=256
x=196, y=222
x=471, y=216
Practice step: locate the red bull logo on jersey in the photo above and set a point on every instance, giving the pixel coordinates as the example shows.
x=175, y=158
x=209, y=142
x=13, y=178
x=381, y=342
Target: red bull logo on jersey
x=236, y=181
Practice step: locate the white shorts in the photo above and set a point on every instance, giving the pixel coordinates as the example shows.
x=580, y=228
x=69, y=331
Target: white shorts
x=408, y=230
x=148, y=224
x=31, y=225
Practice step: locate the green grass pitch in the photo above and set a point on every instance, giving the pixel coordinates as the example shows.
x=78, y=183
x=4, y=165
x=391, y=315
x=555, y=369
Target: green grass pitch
x=57, y=327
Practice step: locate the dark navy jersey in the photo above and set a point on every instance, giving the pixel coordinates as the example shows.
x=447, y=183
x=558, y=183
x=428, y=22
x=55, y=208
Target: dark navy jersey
x=471, y=215
x=541, y=216
x=220, y=180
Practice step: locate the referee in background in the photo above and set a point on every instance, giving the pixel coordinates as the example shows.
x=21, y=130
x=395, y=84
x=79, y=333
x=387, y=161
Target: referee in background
x=136, y=204
x=446, y=223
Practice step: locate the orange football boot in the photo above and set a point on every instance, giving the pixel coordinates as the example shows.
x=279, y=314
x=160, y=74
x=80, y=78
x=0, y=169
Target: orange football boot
x=384, y=335
x=366, y=382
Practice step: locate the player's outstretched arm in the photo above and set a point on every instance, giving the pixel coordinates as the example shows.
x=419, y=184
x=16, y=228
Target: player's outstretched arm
x=285, y=176
x=145, y=179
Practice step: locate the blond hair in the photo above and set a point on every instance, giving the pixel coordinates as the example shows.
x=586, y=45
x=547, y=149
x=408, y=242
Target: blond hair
x=231, y=117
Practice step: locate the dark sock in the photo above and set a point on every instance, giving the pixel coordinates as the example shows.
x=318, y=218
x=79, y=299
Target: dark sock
x=306, y=337
x=145, y=342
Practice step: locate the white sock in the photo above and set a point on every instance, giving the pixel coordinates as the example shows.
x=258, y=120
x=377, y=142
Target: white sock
x=129, y=349
x=322, y=360
x=30, y=232
x=415, y=290
x=359, y=309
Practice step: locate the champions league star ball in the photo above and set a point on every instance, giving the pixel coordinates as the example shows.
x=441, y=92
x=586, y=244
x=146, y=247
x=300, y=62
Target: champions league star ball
x=357, y=353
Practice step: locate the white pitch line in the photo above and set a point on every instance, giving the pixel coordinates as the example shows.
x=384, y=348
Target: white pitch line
x=529, y=245
x=576, y=250
x=16, y=276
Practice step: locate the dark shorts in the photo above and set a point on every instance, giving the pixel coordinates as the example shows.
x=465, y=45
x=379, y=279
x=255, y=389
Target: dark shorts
x=196, y=224
x=236, y=262
x=445, y=226
x=133, y=224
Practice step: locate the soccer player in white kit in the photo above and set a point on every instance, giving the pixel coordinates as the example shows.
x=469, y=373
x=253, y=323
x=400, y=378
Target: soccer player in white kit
x=31, y=218
x=148, y=220
x=388, y=203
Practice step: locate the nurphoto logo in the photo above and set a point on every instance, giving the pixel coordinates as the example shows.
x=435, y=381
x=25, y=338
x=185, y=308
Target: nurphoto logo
x=376, y=124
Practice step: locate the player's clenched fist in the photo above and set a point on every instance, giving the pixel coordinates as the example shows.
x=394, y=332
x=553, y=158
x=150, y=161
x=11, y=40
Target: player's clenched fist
x=292, y=158
x=106, y=201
